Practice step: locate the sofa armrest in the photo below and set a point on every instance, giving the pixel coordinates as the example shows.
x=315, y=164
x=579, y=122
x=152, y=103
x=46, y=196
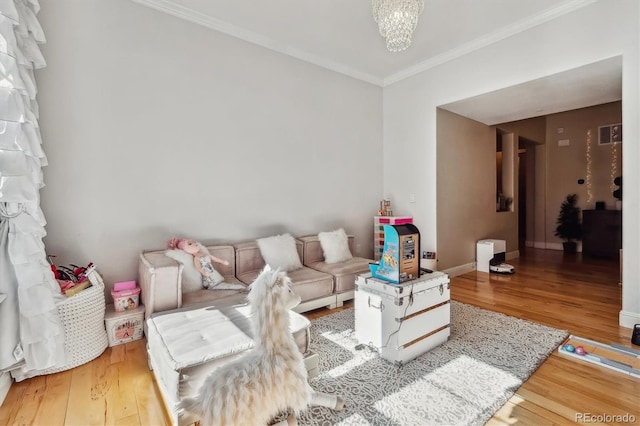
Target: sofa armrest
x=160, y=280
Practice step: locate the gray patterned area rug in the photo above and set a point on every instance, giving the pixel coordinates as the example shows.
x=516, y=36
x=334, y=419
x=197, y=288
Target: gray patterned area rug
x=462, y=382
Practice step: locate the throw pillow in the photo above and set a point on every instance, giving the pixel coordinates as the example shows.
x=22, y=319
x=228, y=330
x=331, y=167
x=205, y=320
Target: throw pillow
x=191, y=278
x=335, y=246
x=280, y=252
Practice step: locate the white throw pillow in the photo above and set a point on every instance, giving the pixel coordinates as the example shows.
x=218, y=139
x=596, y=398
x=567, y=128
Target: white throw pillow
x=191, y=278
x=280, y=252
x=335, y=246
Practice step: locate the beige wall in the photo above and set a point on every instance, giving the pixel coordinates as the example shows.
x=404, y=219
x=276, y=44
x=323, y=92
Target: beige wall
x=567, y=164
x=534, y=131
x=466, y=191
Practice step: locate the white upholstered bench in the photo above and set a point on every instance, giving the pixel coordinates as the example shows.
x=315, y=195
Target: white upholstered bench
x=185, y=345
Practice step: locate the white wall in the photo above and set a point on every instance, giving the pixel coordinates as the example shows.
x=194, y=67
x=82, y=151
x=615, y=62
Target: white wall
x=156, y=127
x=570, y=41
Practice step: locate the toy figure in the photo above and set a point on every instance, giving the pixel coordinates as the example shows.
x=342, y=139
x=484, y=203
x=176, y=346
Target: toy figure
x=202, y=261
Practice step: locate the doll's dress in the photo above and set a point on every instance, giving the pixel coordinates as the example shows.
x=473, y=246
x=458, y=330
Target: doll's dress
x=207, y=281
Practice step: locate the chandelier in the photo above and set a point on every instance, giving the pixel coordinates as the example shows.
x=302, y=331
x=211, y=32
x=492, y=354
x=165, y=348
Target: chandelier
x=397, y=19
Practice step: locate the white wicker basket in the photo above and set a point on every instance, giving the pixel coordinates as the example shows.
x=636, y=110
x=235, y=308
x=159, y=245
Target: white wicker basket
x=82, y=316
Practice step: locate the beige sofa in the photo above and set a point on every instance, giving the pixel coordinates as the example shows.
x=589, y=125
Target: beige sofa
x=315, y=288
x=317, y=283
x=160, y=279
x=344, y=273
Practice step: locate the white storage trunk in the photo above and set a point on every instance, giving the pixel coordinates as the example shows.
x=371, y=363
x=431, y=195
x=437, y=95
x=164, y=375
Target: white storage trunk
x=403, y=320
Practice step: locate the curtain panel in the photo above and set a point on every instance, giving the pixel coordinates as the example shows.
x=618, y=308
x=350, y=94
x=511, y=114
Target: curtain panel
x=31, y=335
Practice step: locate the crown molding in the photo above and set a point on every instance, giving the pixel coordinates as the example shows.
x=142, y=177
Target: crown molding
x=493, y=37
x=169, y=7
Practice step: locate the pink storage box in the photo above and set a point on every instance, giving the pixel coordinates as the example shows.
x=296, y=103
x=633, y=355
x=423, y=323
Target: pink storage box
x=126, y=296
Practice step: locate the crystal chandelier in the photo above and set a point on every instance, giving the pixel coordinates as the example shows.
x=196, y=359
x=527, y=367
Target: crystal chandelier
x=396, y=20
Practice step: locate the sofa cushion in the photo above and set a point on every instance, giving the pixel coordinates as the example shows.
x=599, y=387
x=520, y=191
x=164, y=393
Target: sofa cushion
x=310, y=284
x=344, y=272
x=335, y=246
x=205, y=297
x=307, y=283
x=280, y=251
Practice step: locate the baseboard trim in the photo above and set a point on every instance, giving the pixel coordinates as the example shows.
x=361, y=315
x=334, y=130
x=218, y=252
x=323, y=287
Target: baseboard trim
x=512, y=254
x=553, y=246
x=5, y=385
x=628, y=319
x=461, y=269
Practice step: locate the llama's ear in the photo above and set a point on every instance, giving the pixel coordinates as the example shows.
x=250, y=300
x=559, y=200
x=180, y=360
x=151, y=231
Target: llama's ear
x=280, y=278
x=267, y=268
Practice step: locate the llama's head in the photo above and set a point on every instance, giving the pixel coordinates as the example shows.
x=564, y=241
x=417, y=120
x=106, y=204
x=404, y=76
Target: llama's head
x=273, y=285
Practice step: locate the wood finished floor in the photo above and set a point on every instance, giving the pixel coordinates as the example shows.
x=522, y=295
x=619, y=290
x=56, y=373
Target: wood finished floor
x=580, y=296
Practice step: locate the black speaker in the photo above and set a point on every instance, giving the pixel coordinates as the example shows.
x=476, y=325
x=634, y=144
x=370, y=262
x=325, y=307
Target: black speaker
x=635, y=337
x=600, y=205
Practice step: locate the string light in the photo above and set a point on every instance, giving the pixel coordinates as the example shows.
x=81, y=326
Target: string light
x=589, y=193
x=614, y=164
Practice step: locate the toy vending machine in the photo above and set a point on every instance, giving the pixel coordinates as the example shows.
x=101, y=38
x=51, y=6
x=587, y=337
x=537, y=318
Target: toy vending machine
x=400, y=259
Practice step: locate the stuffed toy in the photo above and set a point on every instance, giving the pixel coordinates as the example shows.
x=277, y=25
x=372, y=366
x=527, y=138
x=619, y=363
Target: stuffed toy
x=184, y=250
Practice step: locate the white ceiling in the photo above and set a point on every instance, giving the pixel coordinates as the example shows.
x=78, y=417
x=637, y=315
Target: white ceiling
x=593, y=84
x=341, y=35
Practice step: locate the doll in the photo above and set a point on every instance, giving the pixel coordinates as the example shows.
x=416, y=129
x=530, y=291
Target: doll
x=203, y=262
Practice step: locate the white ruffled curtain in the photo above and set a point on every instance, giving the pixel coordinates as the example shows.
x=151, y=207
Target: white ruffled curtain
x=31, y=335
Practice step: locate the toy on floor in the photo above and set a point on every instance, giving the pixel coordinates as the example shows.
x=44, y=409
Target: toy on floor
x=269, y=379
x=614, y=356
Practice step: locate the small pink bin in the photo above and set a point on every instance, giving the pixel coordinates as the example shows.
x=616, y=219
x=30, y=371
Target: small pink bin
x=125, y=297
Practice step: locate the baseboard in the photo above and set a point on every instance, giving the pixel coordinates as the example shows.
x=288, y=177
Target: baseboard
x=461, y=269
x=512, y=254
x=628, y=319
x=5, y=385
x=553, y=246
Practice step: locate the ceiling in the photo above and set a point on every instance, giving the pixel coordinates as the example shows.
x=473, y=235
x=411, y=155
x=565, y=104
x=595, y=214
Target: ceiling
x=341, y=35
x=593, y=84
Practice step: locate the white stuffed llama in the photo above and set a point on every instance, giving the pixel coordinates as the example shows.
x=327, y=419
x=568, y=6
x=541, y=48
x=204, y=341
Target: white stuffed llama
x=267, y=380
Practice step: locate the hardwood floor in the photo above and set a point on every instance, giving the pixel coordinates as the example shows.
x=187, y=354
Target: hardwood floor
x=580, y=296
